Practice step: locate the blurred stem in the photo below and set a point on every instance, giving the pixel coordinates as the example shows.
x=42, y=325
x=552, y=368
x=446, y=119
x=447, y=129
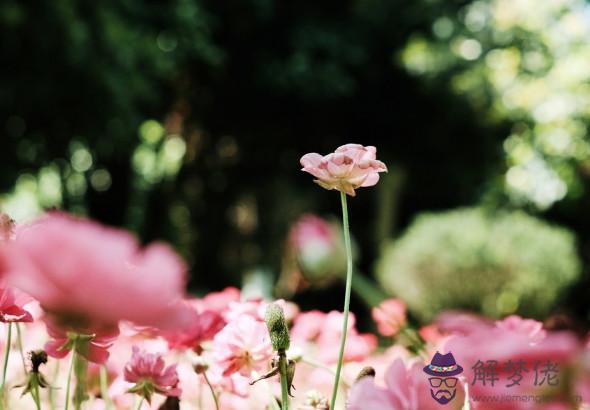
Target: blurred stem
x=51, y=394
x=367, y=290
x=284, y=386
x=346, y=230
x=6, y=356
x=80, y=394
x=35, y=394
x=70, y=372
x=212, y=390
x=140, y=404
x=104, y=387
x=19, y=340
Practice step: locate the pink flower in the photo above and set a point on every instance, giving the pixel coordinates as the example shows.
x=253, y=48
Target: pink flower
x=148, y=372
x=407, y=388
x=324, y=331
x=390, y=316
x=78, y=267
x=352, y=166
x=12, y=302
x=242, y=346
x=202, y=326
x=92, y=343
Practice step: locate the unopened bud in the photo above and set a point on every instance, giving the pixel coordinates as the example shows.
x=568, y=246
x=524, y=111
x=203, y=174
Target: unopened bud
x=277, y=327
x=38, y=357
x=366, y=372
x=200, y=365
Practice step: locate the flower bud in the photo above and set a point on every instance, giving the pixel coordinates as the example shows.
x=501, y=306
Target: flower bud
x=365, y=372
x=277, y=327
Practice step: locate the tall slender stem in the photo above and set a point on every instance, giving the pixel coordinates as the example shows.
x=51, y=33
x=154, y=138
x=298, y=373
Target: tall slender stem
x=51, y=390
x=69, y=382
x=35, y=394
x=284, y=381
x=5, y=368
x=19, y=340
x=212, y=390
x=140, y=404
x=346, y=230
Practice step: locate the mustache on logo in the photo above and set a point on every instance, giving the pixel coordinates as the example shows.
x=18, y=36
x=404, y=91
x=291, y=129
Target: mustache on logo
x=443, y=393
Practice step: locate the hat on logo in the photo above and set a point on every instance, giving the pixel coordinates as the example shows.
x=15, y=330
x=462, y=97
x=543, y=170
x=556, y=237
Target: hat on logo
x=443, y=366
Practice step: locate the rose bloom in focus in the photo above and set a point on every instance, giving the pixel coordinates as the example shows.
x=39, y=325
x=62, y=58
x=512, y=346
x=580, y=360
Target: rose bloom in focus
x=350, y=167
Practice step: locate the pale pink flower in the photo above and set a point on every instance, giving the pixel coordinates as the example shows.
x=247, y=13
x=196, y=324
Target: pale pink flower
x=77, y=267
x=407, y=388
x=531, y=328
x=150, y=374
x=242, y=346
x=219, y=301
x=390, y=316
x=12, y=302
x=350, y=167
x=94, y=345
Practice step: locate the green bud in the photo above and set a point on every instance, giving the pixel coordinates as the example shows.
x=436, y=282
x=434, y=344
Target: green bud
x=277, y=327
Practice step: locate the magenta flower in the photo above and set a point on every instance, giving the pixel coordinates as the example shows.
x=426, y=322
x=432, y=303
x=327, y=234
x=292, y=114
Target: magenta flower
x=203, y=326
x=12, y=303
x=242, y=346
x=390, y=316
x=77, y=267
x=350, y=167
x=148, y=372
x=91, y=343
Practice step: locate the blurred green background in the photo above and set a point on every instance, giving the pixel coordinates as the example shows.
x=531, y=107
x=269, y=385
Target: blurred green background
x=184, y=120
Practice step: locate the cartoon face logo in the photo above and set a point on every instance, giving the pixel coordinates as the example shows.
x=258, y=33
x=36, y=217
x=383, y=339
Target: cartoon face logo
x=442, y=371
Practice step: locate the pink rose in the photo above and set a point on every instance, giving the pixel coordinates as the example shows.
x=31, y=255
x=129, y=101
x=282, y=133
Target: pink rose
x=390, y=316
x=350, y=167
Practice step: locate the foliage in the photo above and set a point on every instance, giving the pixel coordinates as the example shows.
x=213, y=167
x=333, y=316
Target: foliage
x=497, y=263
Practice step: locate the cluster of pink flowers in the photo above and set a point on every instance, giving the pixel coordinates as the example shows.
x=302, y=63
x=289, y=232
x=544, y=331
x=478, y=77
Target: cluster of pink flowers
x=80, y=290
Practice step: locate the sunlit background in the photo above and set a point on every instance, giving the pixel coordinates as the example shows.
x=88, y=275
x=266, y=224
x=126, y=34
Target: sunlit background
x=185, y=121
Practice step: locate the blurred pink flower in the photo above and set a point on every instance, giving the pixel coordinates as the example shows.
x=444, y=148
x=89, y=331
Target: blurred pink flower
x=77, y=267
x=12, y=302
x=148, y=372
x=202, y=326
x=406, y=388
x=324, y=330
x=511, y=344
x=94, y=348
x=242, y=346
x=219, y=301
x=350, y=167
x=390, y=316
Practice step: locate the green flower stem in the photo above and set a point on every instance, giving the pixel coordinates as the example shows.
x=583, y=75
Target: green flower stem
x=70, y=373
x=35, y=394
x=140, y=404
x=104, y=387
x=284, y=381
x=212, y=390
x=6, y=356
x=81, y=370
x=19, y=340
x=346, y=230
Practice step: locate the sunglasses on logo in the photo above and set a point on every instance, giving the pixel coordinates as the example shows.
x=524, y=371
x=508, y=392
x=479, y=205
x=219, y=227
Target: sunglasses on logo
x=448, y=381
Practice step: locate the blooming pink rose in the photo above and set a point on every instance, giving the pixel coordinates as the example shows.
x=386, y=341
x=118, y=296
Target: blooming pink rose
x=95, y=349
x=242, y=346
x=407, y=388
x=352, y=166
x=390, y=316
x=148, y=372
x=77, y=267
x=12, y=303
